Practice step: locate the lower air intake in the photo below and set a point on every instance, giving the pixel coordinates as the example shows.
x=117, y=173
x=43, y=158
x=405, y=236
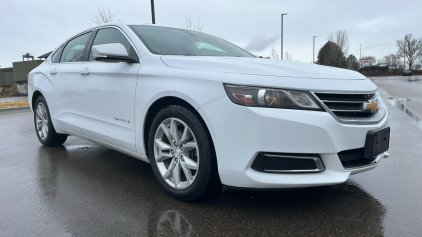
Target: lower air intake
x=354, y=158
x=287, y=163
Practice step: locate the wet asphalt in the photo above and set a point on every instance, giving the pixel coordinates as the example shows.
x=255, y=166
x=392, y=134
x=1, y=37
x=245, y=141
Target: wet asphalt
x=84, y=189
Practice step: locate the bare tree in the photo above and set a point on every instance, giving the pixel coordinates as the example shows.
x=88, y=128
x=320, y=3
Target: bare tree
x=392, y=60
x=288, y=56
x=337, y=54
x=103, y=17
x=410, y=48
x=273, y=53
x=191, y=26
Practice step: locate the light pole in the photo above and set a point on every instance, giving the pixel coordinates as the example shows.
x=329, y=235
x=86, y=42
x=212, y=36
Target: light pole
x=282, y=34
x=152, y=12
x=313, y=51
x=360, y=56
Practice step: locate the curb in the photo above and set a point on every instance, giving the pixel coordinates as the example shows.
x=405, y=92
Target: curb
x=16, y=109
x=398, y=103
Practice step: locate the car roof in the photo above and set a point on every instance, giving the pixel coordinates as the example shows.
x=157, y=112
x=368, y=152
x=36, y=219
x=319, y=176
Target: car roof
x=120, y=24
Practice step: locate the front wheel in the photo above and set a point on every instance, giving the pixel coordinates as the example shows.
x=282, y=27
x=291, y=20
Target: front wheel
x=181, y=154
x=46, y=133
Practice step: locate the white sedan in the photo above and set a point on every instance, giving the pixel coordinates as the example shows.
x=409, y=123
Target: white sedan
x=204, y=112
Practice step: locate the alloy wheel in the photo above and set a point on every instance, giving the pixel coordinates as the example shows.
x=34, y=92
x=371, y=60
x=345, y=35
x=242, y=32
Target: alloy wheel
x=176, y=153
x=41, y=119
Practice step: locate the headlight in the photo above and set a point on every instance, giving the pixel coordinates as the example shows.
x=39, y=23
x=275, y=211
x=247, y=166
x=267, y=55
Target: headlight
x=272, y=98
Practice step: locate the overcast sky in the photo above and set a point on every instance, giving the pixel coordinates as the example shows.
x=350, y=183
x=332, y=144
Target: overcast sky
x=39, y=26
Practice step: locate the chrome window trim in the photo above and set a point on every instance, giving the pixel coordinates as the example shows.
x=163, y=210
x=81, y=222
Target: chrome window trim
x=67, y=41
x=345, y=121
x=91, y=30
x=124, y=33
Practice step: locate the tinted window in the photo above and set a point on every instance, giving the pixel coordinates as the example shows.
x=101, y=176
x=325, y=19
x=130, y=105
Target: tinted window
x=74, y=50
x=56, y=56
x=110, y=36
x=170, y=41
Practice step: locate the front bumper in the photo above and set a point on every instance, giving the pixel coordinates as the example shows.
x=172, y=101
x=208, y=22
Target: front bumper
x=239, y=133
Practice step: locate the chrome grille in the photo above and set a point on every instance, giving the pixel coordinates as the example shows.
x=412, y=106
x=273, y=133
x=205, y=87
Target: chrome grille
x=351, y=107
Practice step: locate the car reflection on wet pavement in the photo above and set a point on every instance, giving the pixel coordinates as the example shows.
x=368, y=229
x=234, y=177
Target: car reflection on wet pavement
x=86, y=189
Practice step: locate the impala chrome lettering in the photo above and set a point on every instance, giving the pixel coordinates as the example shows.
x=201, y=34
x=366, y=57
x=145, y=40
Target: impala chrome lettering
x=122, y=120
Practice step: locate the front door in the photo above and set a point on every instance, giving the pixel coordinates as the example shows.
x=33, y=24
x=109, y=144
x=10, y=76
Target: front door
x=107, y=101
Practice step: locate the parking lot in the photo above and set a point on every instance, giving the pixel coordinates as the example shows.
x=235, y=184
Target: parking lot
x=85, y=189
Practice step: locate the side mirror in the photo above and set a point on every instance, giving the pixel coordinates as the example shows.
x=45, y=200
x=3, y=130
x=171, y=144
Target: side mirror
x=115, y=52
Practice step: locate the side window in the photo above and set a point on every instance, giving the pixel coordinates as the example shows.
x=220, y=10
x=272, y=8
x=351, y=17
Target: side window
x=56, y=56
x=74, y=50
x=110, y=36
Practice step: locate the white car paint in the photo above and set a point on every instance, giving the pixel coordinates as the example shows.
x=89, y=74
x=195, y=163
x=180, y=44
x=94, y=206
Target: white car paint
x=264, y=67
x=117, y=48
x=95, y=101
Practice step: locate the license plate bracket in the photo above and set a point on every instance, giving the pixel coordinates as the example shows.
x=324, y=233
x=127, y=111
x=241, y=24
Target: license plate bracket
x=377, y=142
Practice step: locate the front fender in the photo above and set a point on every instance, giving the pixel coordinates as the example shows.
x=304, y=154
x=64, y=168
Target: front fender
x=155, y=81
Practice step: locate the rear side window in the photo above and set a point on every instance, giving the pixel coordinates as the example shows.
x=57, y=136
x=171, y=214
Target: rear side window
x=110, y=36
x=56, y=56
x=74, y=50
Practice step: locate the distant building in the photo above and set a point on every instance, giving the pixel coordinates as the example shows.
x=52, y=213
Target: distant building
x=367, y=62
x=382, y=62
x=6, y=76
x=19, y=72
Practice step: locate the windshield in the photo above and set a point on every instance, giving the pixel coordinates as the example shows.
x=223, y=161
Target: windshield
x=170, y=41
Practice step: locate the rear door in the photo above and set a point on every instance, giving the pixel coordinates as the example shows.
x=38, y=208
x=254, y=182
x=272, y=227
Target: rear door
x=63, y=72
x=107, y=98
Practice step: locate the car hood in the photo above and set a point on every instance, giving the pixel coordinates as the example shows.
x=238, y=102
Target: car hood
x=260, y=66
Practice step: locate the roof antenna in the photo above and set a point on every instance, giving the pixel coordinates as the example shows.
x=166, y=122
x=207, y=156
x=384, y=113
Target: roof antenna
x=152, y=12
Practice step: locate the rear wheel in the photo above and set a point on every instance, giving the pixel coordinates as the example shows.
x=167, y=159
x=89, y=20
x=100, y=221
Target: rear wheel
x=180, y=154
x=46, y=133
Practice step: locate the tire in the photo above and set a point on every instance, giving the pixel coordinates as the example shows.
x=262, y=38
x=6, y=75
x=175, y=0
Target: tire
x=187, y=168
x=45, y=131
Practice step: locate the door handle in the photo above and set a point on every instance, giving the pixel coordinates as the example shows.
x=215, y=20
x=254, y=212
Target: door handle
x=84, y=71
x=54, y=71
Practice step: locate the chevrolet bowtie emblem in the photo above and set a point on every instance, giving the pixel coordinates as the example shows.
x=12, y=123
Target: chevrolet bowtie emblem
x=372, y=105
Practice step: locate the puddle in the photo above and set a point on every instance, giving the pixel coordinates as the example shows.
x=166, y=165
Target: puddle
x=79, y=147
x=399, y=103
x=414, y=79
